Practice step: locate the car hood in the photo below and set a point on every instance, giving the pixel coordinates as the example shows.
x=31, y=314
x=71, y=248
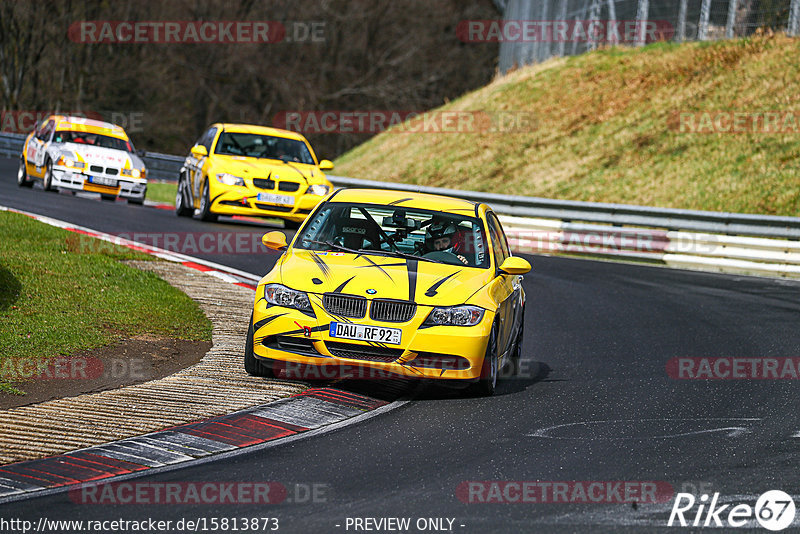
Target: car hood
x=375, y=276
x=107, y=157
x=263, y=168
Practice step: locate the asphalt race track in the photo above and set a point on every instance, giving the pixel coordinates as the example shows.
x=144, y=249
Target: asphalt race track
x=598, y=339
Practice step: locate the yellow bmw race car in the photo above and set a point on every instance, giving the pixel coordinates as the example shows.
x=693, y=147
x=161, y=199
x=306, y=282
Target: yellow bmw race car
x=393, y=283
x=256, y=171
x=78, y=154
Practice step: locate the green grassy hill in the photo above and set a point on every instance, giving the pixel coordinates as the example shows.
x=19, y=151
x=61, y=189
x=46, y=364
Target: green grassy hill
x=607, y=129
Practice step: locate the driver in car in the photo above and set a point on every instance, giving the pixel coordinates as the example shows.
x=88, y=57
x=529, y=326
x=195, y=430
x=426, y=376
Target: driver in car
x=439, y=237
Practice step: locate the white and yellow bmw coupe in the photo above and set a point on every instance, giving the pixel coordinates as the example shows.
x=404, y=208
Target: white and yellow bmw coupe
x=399, y=283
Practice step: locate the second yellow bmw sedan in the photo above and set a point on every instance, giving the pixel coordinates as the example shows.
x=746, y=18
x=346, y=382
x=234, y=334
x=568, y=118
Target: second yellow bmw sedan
x=256, y=171
x=403, y=283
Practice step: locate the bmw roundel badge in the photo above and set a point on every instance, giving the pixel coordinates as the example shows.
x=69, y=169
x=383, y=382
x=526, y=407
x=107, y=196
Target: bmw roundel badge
x=371, y=291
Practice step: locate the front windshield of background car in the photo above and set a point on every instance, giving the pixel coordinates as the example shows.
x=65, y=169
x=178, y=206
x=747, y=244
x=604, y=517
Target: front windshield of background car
x=92, y=139
x=439, y=236
x=252, y=145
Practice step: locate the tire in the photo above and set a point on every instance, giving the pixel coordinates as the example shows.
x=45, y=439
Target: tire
x=47, y=180
x=205, y=206
x=110, y=198
x=291, y=225
x=253, y=365
x=22, y=175
x=182, y=207
x=516, y=355
x=136, y=201
x=485, y=386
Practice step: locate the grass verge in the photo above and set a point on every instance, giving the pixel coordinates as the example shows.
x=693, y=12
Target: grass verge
x=61, y=292
x=607, y=129
x=161, y=192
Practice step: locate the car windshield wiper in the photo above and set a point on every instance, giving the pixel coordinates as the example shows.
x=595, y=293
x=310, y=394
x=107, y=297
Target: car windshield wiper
x=402, y=255
x=332, y=245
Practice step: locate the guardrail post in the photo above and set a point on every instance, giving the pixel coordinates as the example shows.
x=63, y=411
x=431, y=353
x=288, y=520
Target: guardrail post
x=594, y=18
x=575, y=41
x=794, y=18
x=562, y=17
x=731, y=18
x=543, y=45
x=705, y=14
x=681, y=33
x=612, y=19
x=642, y=14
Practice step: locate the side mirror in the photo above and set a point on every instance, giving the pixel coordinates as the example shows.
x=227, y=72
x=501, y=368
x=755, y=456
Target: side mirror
x=199, y=151
x=515, y=265
x=274, y=240
x=326, y=165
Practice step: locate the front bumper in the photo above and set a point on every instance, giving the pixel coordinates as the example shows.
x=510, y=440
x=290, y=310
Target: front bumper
x=243, y=200
x=301, y=345
x=69, y=178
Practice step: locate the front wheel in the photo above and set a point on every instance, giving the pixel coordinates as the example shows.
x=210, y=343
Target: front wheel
x=47, y=181
x=487, y=383
x=182, y=207
x=205, y=206
x=22, y=175
x=290, y=225
x=253, y=365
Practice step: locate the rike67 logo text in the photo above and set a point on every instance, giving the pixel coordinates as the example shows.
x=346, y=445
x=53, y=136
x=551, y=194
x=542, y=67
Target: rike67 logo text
x=774, y=510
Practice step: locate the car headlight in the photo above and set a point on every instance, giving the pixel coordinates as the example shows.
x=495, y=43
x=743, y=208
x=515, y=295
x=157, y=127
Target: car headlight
x=318, y=189
x=279, y=295
x=69, y=162
x=455, y=316
x=135, y=173
x=229, y=179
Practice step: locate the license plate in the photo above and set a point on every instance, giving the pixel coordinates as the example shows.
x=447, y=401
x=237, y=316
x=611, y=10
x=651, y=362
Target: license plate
x=363, y=332
x=271, y=198
x=100, y=180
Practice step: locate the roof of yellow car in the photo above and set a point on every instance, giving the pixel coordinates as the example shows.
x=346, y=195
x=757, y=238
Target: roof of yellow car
x=82, y=124
x=404, y=198
x=263, y=130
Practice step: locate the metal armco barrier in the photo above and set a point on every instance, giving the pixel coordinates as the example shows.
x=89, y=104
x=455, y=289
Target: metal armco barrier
x=729, y=242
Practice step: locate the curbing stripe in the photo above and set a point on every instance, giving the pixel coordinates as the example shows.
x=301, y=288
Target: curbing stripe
x=113, y=466
x=206, y=446
x=15, y=486
x=306, y=412
x=168, y=446
x=113, y=452
x=25, y=473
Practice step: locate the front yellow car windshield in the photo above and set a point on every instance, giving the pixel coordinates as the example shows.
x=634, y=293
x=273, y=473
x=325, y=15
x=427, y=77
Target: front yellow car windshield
x=405, y=232
x=252, y=145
